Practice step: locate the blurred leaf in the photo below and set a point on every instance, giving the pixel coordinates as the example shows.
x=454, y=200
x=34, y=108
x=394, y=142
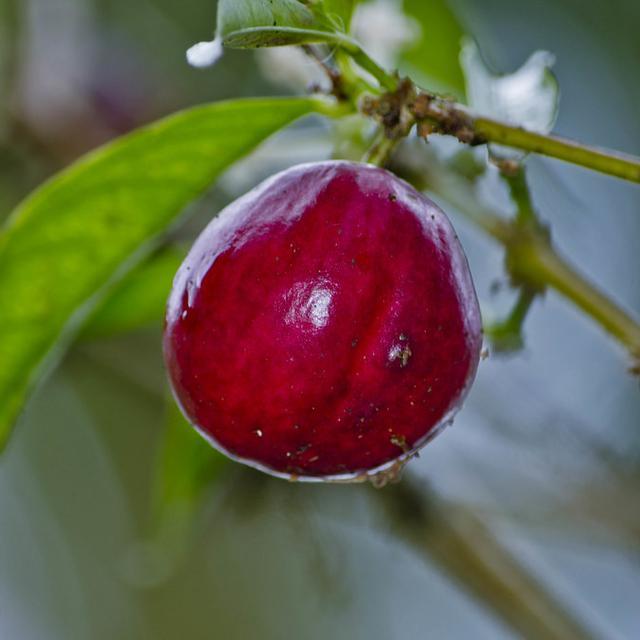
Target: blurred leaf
x=247, y=24
x=185, y=467
x=138, y=300
x=473, y=555
x=433, y=58
x=527, y=97
x=186, y=464
x=86, y=227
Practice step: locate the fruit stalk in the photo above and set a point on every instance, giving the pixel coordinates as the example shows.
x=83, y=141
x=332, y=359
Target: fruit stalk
x=360, y=57
x=537, y=263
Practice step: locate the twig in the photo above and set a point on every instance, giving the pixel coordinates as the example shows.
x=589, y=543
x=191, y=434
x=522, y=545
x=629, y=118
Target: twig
x=467, y=550
x=606, y=161
x=446, y=116
x=534, y=260
x=386, y=80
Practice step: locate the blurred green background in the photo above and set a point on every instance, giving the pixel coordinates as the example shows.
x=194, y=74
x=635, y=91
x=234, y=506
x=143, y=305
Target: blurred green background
x=542, y=465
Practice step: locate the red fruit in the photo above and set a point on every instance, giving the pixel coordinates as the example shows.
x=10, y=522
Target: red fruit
x=324, y=325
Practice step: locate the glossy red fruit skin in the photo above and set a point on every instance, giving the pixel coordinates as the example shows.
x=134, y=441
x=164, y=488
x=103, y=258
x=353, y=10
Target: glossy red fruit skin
x=324, y=325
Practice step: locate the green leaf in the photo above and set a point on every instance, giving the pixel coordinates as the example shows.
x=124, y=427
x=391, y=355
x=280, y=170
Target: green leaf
x=248, y=24
x=85, y=228
x=138, y=300
x=527, y=97
x=433, y=60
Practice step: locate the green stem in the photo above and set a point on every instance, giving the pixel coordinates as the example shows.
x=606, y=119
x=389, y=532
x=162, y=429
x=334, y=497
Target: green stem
x=358, y=84
x=332, y=108
x=506, y=336
x=456, y=120
x=533, y=262
x=603, y=160
x=381, y=150
x=537, y=263
x=520, y=309
x=520, y=194
x=386, y=80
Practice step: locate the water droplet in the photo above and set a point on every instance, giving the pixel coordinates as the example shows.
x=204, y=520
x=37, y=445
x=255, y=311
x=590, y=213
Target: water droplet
x=204, y=54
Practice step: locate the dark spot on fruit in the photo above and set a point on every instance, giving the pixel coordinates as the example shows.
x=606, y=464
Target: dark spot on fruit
x=400, y=442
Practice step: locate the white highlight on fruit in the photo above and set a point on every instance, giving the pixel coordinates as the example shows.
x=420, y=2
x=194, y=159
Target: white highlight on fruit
x=310, y=302
x=204, y=54
x=318, y=307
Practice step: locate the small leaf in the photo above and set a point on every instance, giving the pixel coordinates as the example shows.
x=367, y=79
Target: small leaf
x=527, y=98
x=72, y=238
x=433, y=59
x=138, y=300
x=248, y=24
